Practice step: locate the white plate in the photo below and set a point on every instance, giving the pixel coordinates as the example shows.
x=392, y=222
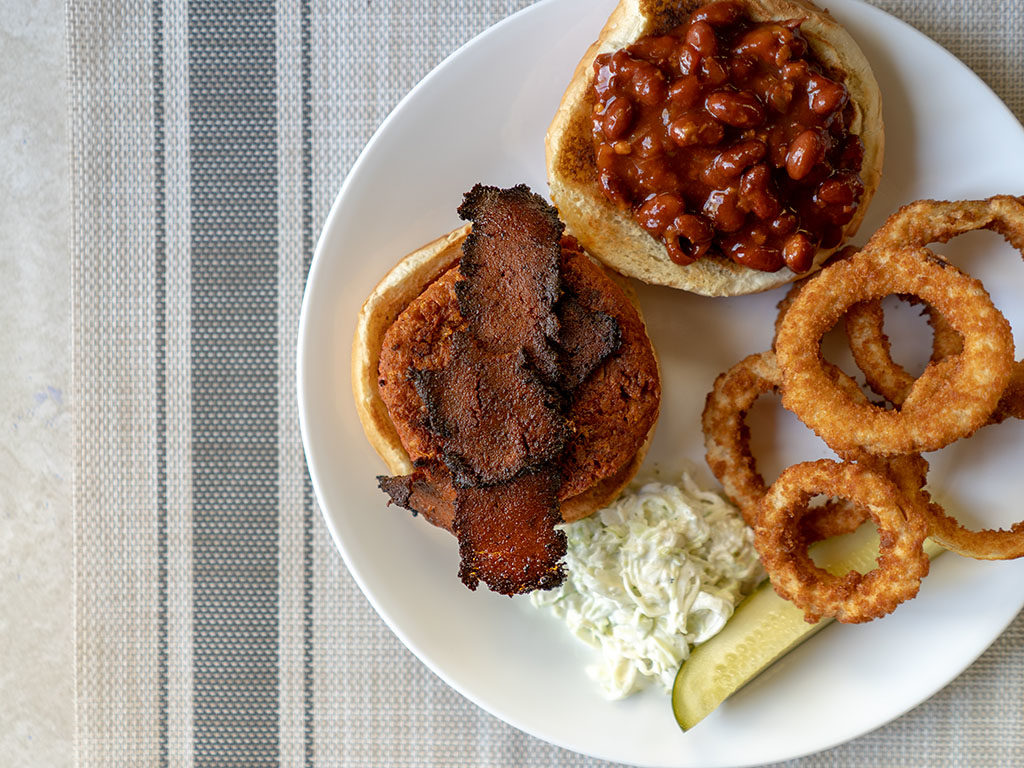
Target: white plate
x=481, y=116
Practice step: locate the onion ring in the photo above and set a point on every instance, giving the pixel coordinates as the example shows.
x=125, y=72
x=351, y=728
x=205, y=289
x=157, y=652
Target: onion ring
x=950, y=400
x=853, y=597
x=727, y=443
x=939, y=221
x=987, y=544
x=728, y=454
x=726, y=435
x=909, y=472
x=784, y=303
x=918, y=224
x=871, y=350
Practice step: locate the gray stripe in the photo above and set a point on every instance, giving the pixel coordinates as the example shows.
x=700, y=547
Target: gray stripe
x=160, y=330
x=233, y=137
x=307, y=507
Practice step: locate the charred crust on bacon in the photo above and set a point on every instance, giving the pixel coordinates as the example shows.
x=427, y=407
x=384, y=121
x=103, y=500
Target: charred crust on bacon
x=427, y=491
x=398, y=489
x=586, y=338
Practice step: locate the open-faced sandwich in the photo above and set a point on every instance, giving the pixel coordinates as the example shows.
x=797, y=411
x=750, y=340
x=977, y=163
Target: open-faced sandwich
x=723, y=149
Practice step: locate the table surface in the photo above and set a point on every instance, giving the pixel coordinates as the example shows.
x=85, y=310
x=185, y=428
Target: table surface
x=36, y=564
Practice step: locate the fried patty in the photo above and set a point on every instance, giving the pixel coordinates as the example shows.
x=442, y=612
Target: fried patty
x=612, y=410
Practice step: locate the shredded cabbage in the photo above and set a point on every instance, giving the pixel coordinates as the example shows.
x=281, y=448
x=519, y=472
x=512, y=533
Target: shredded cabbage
x=657, y=572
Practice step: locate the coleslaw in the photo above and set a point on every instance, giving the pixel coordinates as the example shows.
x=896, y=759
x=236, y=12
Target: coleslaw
x=655, y=573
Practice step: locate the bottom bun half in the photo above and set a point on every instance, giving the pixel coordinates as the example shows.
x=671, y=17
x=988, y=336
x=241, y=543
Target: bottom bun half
x=613, y=430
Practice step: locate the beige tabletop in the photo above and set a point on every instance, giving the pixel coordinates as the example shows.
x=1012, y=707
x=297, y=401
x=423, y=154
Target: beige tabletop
x=37, y=546
x=37, y=703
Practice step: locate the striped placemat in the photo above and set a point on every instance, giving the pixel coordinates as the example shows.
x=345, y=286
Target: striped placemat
x=215, y=622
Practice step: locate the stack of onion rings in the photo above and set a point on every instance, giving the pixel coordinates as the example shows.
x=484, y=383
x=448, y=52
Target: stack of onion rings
x=972, y=380
x=919, y=224
x=950, y=400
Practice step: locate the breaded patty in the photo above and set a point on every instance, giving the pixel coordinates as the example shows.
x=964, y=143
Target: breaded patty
x=612, y=411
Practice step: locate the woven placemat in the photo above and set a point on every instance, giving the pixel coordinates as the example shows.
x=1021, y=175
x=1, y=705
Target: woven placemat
x=215, y=622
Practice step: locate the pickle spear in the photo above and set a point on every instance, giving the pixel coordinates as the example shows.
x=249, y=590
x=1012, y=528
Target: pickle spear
x=763, y=629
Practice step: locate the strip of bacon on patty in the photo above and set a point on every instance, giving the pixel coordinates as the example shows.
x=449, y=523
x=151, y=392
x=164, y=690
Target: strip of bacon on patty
x=491, y=376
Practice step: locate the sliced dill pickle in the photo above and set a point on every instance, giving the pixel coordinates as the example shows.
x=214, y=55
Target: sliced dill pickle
x=763, y=629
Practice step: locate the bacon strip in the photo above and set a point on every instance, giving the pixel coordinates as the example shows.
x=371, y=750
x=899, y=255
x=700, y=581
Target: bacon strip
x=507, y=535
x=498, y=405
x=511, y=269
x=496, y=417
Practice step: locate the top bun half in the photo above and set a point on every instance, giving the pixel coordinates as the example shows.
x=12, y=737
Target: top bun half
x=609, y=232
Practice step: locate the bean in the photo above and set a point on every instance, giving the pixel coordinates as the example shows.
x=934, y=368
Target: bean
x=612, y=186
x=701, y=37
x=618, y=118
x=798, y=252
x=825, y=96
x=740, y=109
x=688, y=238
x=804, y=152
x=689, y=61
x=695, y=128
x=685, y=93
x=647, y=83
x=656, y=214
x=722, y=208
x=713, y=72
x=647, y=144
x=794, y=70
x=841, y=189
x=660, y=47
x=756, y=256
x=759, y=43
x=783, y=224
x=839, y=197
x=756, y=194
x=731, y=162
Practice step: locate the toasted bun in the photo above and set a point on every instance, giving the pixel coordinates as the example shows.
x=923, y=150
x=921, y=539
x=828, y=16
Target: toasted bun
x=406, y=281
x=609, y=232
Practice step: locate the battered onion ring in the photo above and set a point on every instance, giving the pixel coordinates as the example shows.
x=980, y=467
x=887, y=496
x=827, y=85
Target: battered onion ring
x=727, y=443
x=918, y=224
x=909, y=473
x=938, y=221
x=987, y=544
x=950, y=400
x=853, y=597
x=871, y=350
x=785, y=302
